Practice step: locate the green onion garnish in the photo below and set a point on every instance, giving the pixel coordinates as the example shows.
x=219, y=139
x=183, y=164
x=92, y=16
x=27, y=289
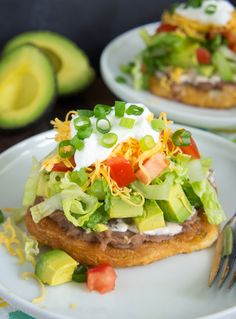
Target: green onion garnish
x=88, y=113
x=120, y=79
x=79, y=177
x=134, y=110
x=127, y=122
x=157, y=124
x=77, y=143
x=181, y=138
x=101, y=110
x=80, y=274
x=127, y=68
x=85, y=132
x=193, y=3
x=66, y=149
x=1, y=217
x=147, y=142
x=119, y=108
x=103, y=125
x=109, y=139
x=210, y=9
x=82, y=122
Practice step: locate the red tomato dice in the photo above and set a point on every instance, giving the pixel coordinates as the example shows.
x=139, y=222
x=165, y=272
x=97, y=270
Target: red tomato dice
x=230, y=36
x=191, y=149
x=203, y=56
x=61, y=167
x=101, y=278
x=166, y=27
x=121, y=171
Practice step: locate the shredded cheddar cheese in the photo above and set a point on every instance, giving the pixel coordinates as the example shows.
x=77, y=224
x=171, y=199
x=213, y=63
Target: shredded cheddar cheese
x=41, y=298
x=3, y=303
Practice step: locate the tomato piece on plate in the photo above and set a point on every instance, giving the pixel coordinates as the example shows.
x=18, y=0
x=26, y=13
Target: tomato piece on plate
x=101, y=278
x=230, y=36
x=191, y=149
x=166, y=27
x=61, y=167
x=153, y=167
x=121, y=171
x=203, y=56
x=233, y=47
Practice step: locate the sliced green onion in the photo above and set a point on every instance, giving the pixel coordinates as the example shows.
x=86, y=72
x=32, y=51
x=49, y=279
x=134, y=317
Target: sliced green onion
x=103, y=125
x=119, y=108
x=120, y=79
x=82, y=122
x=193, y=3
x=80, y=273
x=127, y=68
x=181, y=138
x=134, y=110
x=83, y=112
x=1, y=217
x=77, y=143
x=157, y=124
x=210, y=9
x=127, y=122
x=66, y=149
x=79, y=177
x=147, y=142
x=84, y=132
x=108, y=140
x=101, y=110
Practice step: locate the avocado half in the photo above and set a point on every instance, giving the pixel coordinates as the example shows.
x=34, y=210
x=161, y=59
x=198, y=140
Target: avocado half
x=70, y=63
x=27, y=86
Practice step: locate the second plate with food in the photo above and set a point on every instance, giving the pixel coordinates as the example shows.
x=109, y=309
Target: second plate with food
x=122, y=50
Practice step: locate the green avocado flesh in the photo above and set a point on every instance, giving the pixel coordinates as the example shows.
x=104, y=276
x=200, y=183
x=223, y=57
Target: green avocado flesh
x=70, y=63
x=122, y=209
x=152, y=218
x=27, y=86
x=177, y=207
x=55, y=267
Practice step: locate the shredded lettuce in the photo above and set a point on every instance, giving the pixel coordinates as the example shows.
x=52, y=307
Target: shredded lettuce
x=207, y=194
x=157, y=192
x=46, y=208
x=31, y=184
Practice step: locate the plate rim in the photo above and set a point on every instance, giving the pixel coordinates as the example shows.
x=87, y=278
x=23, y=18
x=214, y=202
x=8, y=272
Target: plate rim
x=209, y=121
x=36, y=310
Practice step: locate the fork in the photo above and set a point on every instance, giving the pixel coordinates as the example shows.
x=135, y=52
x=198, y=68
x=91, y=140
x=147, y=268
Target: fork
x=223, y=262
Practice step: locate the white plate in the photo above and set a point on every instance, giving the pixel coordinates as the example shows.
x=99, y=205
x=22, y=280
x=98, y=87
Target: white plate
x=172, y=288
x=122, y=50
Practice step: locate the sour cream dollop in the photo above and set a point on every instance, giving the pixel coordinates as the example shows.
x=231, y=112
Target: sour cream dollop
x=94, y=151
x=221, y=15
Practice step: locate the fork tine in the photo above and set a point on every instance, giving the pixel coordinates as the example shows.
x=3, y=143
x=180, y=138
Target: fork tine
x=219, y=259
x=233, y=279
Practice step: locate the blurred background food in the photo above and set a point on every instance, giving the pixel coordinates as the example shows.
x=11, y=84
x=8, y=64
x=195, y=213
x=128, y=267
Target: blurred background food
x=90, y=26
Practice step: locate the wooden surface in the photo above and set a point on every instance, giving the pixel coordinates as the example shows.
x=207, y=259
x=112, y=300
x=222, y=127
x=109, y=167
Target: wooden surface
x=96, y=93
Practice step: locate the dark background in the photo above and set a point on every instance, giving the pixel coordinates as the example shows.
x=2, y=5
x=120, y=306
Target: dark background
x=92, y=24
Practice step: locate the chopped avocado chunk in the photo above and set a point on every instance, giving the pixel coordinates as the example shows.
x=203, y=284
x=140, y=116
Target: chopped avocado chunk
x=223, y=67
x=177, y=207
x=27, y=86
x=206, y=70
x=55, y=267
x=152, y=218
x=122, y=209
x=70, y=63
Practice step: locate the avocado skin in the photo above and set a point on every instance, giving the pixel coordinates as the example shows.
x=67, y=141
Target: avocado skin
x=177, y=207
x=58, y=48
x=29, y=117
x=55, y=262
x=152, y=218
x=121, y=209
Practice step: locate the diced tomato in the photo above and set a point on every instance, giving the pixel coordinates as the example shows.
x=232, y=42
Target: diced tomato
x=153, y=166
x=233, y=47
x=121, y=171
x=203, y=56
x=191, y=150
x=166, y=27
x=101, y=278
x=61, y=167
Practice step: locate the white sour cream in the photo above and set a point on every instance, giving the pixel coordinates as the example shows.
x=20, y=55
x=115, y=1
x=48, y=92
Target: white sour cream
x=220, y=17
x=170, y=229
x=94, y=151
